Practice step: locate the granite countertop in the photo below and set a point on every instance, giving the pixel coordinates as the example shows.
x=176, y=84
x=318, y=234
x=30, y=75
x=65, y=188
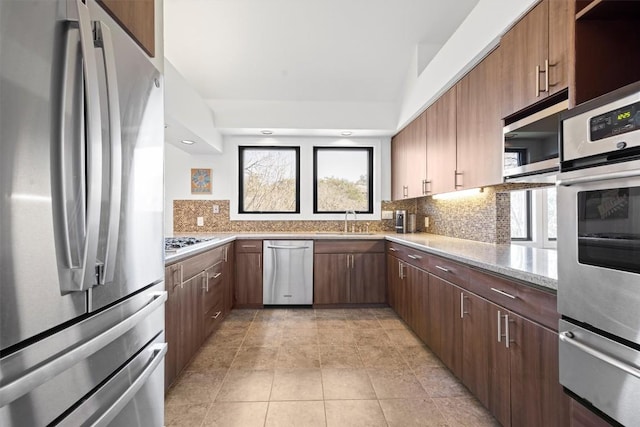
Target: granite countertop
x=532, y=265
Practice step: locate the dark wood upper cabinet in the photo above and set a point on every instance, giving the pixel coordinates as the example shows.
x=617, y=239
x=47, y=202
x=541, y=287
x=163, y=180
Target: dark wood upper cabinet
x=409, y=160
x=479, y=125
x=137, y=17
x=535, y=56
x=441, y=144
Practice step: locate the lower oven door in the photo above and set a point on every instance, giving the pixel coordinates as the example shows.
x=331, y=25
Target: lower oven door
x=599, y=248
x=602, y=371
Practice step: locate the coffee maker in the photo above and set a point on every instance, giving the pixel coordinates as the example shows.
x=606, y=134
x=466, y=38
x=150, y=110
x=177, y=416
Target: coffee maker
x=401, y=221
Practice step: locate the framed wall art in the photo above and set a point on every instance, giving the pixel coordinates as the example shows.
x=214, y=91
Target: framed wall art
x=200, y=181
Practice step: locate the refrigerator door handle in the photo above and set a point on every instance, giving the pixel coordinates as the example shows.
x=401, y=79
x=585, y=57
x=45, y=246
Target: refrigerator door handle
x=83, y=276
x=45, y=371
x=104, y=40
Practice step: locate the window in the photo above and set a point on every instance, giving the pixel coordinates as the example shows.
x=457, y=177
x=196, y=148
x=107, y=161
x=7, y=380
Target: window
x=534, y=218
x=520, y=215
x=269, y=180
x=343, y=179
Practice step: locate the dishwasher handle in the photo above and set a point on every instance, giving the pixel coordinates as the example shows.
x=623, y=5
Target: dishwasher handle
x=287, y=247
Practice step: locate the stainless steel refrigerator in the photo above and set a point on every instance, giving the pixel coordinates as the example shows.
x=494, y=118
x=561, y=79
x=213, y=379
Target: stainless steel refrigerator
x=81, y=180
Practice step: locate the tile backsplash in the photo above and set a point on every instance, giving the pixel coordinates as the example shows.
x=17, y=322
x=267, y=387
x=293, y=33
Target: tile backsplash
x=482, y=217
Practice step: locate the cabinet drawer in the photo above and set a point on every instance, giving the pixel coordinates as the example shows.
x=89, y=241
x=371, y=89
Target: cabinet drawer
x=249, y=245
x=212, y=319
x=213, y=288
x=200, y=262
x=449, y=270
x=529, y=302
x=348, y=246
x=409, y=255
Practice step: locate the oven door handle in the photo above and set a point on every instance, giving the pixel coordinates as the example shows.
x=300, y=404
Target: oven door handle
x=600, y=177
x=567, y=337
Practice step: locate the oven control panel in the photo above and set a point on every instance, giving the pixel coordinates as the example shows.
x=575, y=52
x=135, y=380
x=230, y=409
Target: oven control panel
x=615, y=122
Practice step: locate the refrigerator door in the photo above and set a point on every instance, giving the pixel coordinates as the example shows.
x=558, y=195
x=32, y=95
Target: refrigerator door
x=131, y=247
x=37, y=95
x=131, y=234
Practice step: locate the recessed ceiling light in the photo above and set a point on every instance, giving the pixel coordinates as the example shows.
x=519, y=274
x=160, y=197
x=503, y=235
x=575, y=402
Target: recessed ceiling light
x=188, y=142
x=346, y=133
x=266, y=132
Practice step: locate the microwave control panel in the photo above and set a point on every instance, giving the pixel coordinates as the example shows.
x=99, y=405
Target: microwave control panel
x=616, y=122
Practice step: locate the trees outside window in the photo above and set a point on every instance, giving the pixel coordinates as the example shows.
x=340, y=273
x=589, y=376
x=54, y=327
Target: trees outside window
x=269, y=180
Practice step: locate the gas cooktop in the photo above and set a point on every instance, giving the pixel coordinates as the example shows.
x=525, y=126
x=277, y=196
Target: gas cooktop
x=179, y=244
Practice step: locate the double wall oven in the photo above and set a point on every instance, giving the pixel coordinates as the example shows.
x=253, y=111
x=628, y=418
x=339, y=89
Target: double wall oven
x=599, y=254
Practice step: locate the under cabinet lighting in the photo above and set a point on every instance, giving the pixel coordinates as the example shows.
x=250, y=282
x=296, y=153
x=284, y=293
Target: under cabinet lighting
x=458, y=194
x=188, y=142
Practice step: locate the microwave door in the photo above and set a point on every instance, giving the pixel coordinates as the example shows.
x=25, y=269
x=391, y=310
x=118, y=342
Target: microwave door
x=46, y=251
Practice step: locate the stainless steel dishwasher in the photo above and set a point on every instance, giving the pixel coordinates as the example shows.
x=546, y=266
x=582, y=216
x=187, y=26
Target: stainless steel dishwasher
x=288, y=272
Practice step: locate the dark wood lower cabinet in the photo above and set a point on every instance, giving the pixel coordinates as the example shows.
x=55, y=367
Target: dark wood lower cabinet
x=445, y=323
x=248, y=290
x=349, y=272
x=476, y=339
x=583, y=417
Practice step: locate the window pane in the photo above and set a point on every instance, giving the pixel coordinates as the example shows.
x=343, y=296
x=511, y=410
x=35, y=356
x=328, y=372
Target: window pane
x=552, y=219
x=343, y=179
x=269, y=179
x=520, y=215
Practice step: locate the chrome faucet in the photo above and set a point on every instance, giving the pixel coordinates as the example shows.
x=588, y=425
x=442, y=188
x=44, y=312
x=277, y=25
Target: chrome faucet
x=346, y=217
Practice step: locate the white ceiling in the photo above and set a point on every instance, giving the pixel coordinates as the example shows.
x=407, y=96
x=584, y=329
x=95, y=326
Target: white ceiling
x=306, y=66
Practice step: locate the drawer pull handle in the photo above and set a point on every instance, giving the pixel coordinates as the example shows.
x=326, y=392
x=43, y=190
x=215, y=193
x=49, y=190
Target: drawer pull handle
x=249, y=246
x=504, y=293
x=446, y=270
x=414, y=256
x=393, y=249
x=215, y=316
x=215, y=276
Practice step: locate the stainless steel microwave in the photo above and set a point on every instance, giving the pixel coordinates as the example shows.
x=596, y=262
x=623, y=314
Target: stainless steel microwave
x=532, y=145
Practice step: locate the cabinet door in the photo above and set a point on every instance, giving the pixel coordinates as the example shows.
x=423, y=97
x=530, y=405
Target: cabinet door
x=441, y=144
x=499, y=366
x=137, y=17
x=445, y=323
x=368, y=278
x=418, y=300
x=172, y=322
x=393, y=276
x=229, y=277
x=416, y=158
x=330, y=279
x=537, y=398
x=561, y=24
x=479, y=125
x=476, y=330
x=524, y=47
x=248, y=289
x=398, y=165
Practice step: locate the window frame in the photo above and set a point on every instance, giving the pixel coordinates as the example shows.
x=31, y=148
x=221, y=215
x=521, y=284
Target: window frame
x=370, y=153
x=241, y=150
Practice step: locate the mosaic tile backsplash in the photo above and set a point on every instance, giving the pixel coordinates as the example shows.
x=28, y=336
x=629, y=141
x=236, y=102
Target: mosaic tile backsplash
x=483, y=217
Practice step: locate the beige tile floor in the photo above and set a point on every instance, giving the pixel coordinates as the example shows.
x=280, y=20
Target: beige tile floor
x=306, y=367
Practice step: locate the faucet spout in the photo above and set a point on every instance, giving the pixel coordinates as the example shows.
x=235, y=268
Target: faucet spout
x=346, y=218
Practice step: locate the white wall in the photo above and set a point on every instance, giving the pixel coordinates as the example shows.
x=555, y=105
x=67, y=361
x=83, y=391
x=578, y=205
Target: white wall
x=224, y=167
x=478, y=34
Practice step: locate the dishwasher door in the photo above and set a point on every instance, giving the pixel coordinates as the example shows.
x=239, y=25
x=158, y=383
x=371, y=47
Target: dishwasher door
x=287, y=272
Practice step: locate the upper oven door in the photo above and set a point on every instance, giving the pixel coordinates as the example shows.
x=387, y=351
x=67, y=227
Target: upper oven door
x=599, y=247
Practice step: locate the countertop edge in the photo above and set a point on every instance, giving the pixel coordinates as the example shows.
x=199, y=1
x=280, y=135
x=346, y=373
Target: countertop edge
x=537, y=280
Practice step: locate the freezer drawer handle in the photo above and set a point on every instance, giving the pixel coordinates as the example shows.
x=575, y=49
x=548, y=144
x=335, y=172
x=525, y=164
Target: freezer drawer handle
x=567, y=337
x=287, y=247
x=42, y=374
x=159, y=351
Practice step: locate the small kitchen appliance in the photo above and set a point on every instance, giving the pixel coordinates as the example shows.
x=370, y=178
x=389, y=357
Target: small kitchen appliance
x=401, y=221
